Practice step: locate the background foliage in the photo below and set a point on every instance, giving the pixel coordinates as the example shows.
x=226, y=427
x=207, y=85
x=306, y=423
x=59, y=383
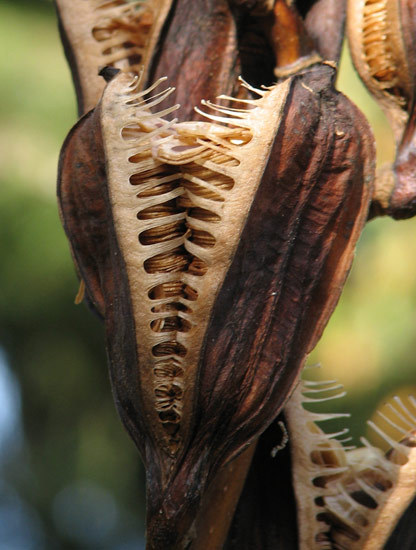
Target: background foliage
x=69, y=476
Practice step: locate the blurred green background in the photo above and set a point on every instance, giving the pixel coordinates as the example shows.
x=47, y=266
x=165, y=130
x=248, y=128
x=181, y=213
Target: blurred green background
x=69, y=476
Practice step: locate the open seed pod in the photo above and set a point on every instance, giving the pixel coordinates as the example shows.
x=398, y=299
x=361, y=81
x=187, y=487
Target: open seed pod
x=318, y=459
x=350, y=498
x=166, y=234
x=104, y=33
x=382, y=49
x=382, y=41
x=202, y=46
x=341, y=497
x=216, y=253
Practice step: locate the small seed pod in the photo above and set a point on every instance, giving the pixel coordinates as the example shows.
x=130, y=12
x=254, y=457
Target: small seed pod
x=238, y=37
x=209, y=44
x=381, y=36
x=318, y=459
x=381, y=55
x=350, y=498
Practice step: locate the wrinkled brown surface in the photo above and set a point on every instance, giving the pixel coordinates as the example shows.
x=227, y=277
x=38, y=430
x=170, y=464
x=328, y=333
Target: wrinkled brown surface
x=198, y=53
x=83, y=206
x=292, y=261
x=204, y=54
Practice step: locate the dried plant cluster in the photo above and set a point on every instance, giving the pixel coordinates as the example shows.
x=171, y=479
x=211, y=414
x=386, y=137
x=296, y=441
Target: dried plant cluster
x=215, y=246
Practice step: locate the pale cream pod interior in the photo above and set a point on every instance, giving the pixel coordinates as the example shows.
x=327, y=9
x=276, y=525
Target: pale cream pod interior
x=178, y=226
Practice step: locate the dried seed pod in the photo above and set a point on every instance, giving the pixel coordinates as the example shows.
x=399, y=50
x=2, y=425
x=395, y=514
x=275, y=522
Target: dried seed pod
x=235, y=40
x=205, y=46
x=381, y=55
x=378, y=489
x=318, y=459
x=381, y=36
x=348, y=498
x=99, y=33
x=257, y=211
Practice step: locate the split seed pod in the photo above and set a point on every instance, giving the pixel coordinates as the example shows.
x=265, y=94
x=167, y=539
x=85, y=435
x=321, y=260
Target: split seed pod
x=107, y=33
x=382, y=41
x=350, y=498
x=216, y=253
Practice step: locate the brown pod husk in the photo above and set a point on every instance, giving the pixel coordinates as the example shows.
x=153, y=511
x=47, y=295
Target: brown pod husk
x=216, y=275
x=290, y=263
x=83, y=208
